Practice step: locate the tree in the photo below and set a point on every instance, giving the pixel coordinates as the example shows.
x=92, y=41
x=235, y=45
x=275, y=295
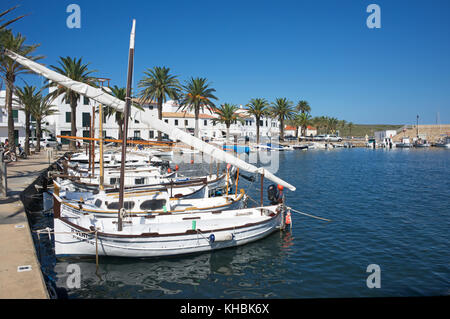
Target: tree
x=74, y=69
x=332, y=124
x=284, y=110
x=120, y=93
x=157, y=85
x=303, y=107
x=304, y=121
x=40, y=111
x=258, y=108
x=5, y=24
x=350, y=126
x=27, y=96
x=197, y=95
x=10, y=69
x=226, y=114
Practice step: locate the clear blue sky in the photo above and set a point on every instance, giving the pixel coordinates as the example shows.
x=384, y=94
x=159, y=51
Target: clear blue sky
x=319, y=51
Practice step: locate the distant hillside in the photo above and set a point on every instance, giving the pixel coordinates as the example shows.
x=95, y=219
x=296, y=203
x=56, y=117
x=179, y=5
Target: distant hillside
x=360, y=130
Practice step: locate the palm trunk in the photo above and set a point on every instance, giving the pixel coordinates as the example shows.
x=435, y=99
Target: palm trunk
x=73, y=124
x=10, y=78
x=160, y=109
x=27, y=133
x=282, y=129
x=38, y=135
x=257, y=130
x=119, y=121
x=197, y=115
x=228, y=133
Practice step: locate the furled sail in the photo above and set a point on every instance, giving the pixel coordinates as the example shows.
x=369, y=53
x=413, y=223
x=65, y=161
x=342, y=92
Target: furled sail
x=176, y=134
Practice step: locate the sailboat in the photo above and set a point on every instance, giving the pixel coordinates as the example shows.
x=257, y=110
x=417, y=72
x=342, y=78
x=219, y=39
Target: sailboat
x=166, y=233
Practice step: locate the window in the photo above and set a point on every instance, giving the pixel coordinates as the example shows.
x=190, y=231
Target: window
x=261, y=123
x=114, y=180
x=68, y=117
x=151, y=134
x=98, y=203
x=153, y=204
x=65, y=141
x=266, y=123
x=167, y=121
x=86, y=133
x=15, y=116
x=176, y=122
x=85, y=100
x=186, y=122
x=139, y=181
x=137, y=134
x=205, y=122
x=86, y=117
x=150, y=107
x=115, y=205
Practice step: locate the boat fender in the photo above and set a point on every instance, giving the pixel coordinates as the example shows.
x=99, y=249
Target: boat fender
x=221, y=237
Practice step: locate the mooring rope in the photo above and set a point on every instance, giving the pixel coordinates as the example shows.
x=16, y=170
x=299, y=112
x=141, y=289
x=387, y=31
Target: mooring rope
x=299, y=212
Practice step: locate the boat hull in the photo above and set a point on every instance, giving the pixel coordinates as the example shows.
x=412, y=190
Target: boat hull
x=71, y=240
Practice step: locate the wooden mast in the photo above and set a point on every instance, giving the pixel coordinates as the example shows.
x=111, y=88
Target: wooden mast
x=125, y=124
x=100, y=117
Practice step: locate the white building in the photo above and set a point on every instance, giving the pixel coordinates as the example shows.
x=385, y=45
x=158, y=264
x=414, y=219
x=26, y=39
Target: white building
x=19, y=120
x=60, y=124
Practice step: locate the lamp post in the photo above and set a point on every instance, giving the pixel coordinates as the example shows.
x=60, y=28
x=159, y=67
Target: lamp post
x=417, y=126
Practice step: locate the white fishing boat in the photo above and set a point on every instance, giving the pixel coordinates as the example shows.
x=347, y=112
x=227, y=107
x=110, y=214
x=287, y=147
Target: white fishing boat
x=145, y=204
x=421, y=143
x=443, y=142
x=405, y=143
x=165, y=234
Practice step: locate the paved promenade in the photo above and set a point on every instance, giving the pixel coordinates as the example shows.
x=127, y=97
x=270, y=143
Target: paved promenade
x=16, y=244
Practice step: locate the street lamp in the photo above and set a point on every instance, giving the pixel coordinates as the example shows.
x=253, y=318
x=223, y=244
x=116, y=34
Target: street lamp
x=417, y=126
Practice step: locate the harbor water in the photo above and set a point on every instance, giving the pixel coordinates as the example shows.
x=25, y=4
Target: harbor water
x=390, y=208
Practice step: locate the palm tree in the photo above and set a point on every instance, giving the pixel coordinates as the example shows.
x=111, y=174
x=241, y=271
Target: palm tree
x=5, y=24
x=77, y=71
x=303, y=107
x=258, y=108
x=10, y=69
x=304, y=121
x=226, y=114
x=40, y=111
x=350, y=126
x=120, y=93
x=197, y=95
x=27, y=96
x=332, y=124
x=157, y=85
x=284, y=110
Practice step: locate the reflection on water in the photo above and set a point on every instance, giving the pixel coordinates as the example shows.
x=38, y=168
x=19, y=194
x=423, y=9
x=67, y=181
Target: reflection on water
x=241, y=270
x=389, y=207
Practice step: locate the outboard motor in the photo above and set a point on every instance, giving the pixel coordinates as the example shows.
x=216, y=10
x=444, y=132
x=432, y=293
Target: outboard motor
x=274, y=195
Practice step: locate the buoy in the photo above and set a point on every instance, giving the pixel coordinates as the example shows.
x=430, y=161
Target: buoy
x=280, y=188
x=169, y=170
x=176, y=167
x=192, y=161
x=221, y=237
x=288, y=218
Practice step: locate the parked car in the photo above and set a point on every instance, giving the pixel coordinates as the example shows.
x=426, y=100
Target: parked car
x=51, y=142
x=333, y=138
